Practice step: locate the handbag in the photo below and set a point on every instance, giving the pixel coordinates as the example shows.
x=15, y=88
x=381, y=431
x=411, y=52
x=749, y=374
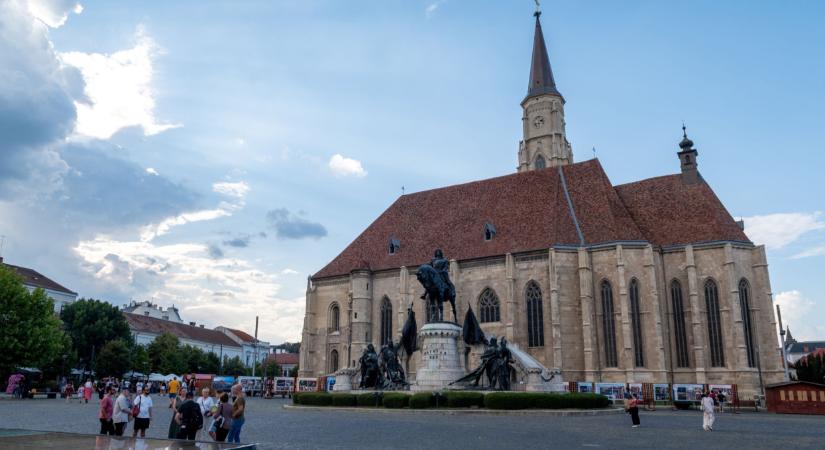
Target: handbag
x=136, y=408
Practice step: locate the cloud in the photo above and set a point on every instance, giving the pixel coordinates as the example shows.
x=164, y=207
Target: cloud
x=778, y=230
x=290, y=226
x=109, y=190
x=289, y=271
x=796, y=313
x=214, y=251
x=53, y=13
x=239, y=242
x=237, y=190
x=118, y=90
x=343, y=166
x=813, y=251
x=36, y=108
x=433, y=7
x=152, y=171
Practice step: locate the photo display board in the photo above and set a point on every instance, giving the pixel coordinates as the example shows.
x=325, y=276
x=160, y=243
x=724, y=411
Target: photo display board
x=661, y=392
x=613, y=391
x=687, y=392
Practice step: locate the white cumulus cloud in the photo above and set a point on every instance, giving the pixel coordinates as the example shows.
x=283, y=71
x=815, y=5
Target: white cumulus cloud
x=237, y=190
x=53, y=13
x=799, y=313
x=778, y=230
x=152, y=171
x=343, y=166
x=433, y=7
x=119, y=90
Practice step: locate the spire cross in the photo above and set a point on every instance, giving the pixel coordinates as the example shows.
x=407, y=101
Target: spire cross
x=538, y=8
x=684, y=130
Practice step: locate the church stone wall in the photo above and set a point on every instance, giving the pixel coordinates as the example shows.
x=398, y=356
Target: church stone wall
x=570, y=281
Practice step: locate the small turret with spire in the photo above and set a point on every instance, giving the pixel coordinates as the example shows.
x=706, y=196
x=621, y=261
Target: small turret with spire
x=545, y=142
x=687, y=157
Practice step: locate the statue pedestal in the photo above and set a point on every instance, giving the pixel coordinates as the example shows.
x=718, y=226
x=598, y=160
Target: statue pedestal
x=343, y=379
x=440, y=362
x=539, y=381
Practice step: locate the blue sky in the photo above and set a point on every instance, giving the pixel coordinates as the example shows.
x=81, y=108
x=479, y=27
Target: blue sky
x=214, y=154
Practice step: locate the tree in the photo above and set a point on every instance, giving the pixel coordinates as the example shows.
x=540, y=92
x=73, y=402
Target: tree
x=266, y=369
x=30, y=333
x=165, y=355
x=233, y=366
x=289, y=347
x=194, y=358
x=293, y=372
x=811, y=368
x=211, y=364
x=140, y=359
x=91, y=324
x=114, y=359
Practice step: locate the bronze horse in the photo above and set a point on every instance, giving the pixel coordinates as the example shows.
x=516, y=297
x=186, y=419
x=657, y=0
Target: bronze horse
x=438, y=290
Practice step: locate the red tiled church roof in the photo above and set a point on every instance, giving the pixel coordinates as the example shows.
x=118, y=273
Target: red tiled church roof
x=530, y=211
x=283, y=358
x=158, y=326
x=670, y=212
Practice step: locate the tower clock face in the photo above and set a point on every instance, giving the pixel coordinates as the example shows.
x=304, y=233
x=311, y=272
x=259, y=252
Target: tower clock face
x=538, y=122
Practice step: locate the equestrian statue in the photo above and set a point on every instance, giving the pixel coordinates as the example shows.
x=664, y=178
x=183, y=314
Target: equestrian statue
x=435, y=278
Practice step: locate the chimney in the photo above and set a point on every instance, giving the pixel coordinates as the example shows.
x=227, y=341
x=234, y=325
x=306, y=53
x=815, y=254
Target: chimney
x=202, y=326
x=192, y=323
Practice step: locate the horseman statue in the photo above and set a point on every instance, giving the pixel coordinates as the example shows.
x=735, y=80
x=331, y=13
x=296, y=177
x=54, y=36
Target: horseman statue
x=435, y=278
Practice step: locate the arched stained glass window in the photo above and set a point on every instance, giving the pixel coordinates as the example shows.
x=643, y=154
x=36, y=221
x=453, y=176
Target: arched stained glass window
x=535, y=315
x=679, y=330
x=608, y=325
x=747, y=323
x=386, y=320
x=636, y=323
x=540, y=163
x=717, y=351
x=489, y=306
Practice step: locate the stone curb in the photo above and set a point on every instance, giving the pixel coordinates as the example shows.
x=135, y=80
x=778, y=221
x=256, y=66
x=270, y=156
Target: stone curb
x=466, y=411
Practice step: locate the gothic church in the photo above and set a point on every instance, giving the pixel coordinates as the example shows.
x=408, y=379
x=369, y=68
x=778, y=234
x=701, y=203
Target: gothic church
x=645, y=282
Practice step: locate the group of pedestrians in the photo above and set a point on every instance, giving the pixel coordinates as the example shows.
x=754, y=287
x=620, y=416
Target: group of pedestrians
x=220, y=418
x=708, y=404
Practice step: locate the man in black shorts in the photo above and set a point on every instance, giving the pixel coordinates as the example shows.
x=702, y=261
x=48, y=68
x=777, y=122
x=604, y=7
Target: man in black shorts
x=144, y=406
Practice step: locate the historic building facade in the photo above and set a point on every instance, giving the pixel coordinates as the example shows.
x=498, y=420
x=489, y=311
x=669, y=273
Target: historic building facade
x=651, y=281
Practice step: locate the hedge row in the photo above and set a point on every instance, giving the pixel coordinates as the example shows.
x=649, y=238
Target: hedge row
x=456, y=399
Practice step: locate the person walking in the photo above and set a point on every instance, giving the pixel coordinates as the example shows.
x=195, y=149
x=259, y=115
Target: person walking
x=189, y=418
x=107, y=427
x=631, y=406
x=708, y=412
x=174, y=387
x=722, y=399
x=206, y=402
x=175, y=403
x=223, y=419
x=69, y=392
x=122, y=412
x=144, y=413
x=87, y=390
x=238, y=414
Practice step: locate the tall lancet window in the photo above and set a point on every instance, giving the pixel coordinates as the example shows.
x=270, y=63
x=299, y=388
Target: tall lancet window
x=679, y=324
x=535, y=315
x=747, y=323
x=386, y=320
x=608, y=326
x=717, y=351
x=636, y=322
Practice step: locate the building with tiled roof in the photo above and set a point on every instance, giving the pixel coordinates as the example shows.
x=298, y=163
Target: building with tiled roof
x=145, y=329
x=645, y=282
x=253, y=349
x=33, y=279
x=286, y=361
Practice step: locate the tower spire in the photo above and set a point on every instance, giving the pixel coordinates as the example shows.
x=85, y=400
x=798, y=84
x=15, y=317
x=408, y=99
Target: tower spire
x=541, y=75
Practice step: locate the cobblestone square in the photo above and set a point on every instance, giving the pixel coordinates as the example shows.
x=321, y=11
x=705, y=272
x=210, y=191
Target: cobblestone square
x=273, y=427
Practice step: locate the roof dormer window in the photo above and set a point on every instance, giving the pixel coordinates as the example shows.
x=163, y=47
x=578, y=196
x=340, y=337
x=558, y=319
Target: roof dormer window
x=489, y=231
x=394, y=246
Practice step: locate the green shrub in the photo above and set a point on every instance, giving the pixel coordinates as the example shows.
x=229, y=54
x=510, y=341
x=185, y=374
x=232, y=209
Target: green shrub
x=459, y=399
x=296, y=398
x=544, y=400
x=396, y=400
x=507, y=400
x=314, y=399
x=369, y=399
x=343, y=399
x=421, y=400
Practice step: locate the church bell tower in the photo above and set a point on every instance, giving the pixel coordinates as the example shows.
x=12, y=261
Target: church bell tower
x=545, y=142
